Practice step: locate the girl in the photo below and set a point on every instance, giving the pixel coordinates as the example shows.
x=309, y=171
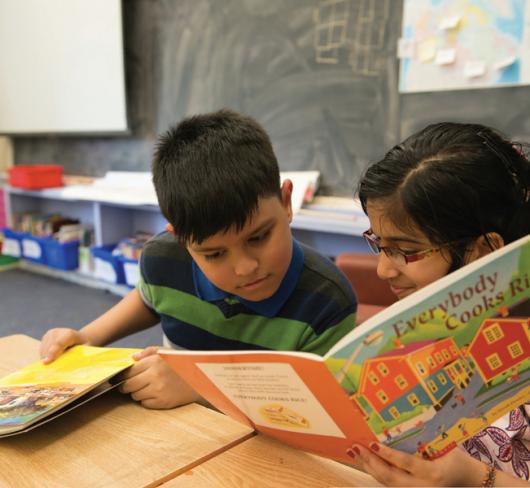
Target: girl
x=446, y=196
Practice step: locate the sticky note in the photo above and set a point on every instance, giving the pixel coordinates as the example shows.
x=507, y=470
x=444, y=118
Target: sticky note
x=474, y=69
x=504, y=63
x=445, y=56
x=427, y=50
x=405, y=48
x=449, y=22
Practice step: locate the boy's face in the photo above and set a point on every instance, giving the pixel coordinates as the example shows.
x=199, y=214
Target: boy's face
x=250, y=263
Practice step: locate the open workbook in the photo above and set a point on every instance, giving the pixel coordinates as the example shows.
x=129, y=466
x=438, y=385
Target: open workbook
x=422, y=376
x=39, y=393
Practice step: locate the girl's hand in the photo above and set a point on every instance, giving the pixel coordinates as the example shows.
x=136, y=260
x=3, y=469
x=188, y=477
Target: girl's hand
x=396, y=468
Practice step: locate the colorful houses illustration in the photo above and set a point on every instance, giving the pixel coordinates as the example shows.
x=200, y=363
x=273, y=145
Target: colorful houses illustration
x=500, y=346
x=420, y=374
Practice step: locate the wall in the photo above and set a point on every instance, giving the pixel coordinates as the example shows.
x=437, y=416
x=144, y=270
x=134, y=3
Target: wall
x=320, y=75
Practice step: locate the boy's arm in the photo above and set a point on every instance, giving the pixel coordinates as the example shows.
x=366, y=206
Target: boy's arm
x=129, y=315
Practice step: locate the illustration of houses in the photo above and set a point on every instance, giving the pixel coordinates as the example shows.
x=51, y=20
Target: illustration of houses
x=420, y=374
x=499, y=345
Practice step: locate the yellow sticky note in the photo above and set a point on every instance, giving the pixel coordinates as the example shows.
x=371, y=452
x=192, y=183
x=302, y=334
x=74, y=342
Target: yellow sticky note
x=427, y=50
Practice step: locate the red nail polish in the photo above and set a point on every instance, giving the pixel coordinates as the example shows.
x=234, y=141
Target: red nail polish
x=350, y=453
x=357, y=451
x=374, y=447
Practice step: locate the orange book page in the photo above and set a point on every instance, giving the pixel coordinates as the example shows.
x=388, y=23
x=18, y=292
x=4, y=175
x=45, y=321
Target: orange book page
x=292, y=398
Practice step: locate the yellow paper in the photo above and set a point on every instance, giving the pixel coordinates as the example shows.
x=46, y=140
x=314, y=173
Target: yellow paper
x=79, y=365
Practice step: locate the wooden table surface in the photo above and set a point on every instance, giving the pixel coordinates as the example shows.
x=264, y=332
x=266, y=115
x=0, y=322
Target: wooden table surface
x=110, y=441
x=262, y=462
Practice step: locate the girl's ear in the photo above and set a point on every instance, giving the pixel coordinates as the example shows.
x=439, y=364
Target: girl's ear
x=170, y=229
x=484, y=245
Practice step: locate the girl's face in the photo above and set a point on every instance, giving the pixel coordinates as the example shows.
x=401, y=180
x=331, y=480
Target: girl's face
x=405, y=279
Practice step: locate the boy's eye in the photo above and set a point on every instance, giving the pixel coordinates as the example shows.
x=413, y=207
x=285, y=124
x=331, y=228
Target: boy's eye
x=213, y=256
x=260, y=237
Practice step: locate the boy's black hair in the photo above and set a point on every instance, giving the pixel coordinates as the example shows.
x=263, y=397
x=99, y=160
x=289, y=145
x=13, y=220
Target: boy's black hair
x=455, y=182
x=210, y=171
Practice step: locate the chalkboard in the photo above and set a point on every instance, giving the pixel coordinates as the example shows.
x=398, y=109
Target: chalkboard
x=320, y=75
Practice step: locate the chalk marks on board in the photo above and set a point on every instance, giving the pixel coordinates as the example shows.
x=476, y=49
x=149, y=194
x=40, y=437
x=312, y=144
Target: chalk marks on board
x=359, y=27
x=331, y=21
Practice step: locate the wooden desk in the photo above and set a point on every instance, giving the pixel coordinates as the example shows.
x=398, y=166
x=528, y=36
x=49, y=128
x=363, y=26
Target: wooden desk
x=262, y=462
x=111, y=441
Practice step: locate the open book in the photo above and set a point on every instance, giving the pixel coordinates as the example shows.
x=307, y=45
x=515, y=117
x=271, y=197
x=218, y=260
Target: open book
x=422, y=376
x=39, y=393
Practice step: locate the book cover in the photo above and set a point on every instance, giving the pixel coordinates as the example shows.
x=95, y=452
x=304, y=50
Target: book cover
x=39, y=392
x=422, y=376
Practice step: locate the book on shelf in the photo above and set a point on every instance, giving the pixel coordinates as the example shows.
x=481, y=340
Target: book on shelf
x=335, y=205
x=38, y=393
x=422, y=376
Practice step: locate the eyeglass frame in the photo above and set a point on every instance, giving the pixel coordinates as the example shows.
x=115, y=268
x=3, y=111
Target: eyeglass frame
x=395, y=254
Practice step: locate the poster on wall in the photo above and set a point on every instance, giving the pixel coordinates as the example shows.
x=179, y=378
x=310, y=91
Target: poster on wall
x=464, y=44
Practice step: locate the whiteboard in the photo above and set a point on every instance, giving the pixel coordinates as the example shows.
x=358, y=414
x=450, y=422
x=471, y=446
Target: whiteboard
x=61, y=67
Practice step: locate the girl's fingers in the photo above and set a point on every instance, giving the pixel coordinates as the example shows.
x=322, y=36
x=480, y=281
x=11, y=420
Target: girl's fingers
x=399, y=459
x=369, y=461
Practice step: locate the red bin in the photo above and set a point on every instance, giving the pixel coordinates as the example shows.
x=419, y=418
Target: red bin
x=34, y=177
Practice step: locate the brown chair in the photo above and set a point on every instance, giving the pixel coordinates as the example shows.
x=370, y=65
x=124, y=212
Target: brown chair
x=373, y=294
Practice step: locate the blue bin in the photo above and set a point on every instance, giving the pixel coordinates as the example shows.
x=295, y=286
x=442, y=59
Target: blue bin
x=33, y=248
x=62, y=255
x=131, y=271
x=106, y=266
x=12, y=245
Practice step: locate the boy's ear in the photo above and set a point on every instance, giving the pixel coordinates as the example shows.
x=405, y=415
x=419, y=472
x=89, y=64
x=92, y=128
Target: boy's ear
x=170, y=229
x=484, y=245
x=286, y=192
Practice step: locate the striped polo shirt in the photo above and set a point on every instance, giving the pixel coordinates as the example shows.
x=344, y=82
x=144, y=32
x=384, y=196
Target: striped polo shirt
x=312, y=309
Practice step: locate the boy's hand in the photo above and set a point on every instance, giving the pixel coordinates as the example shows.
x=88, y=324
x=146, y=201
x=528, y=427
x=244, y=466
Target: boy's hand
x=396, y=468
x=57, y=340
x=153, y=383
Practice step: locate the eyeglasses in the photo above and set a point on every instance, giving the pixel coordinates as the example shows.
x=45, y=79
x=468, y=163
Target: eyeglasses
x=397, y=256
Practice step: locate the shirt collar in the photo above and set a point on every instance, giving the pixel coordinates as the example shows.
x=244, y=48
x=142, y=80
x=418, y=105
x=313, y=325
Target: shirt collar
x=269, y=307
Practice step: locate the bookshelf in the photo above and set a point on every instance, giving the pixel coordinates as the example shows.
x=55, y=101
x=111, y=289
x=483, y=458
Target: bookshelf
x=331, y=229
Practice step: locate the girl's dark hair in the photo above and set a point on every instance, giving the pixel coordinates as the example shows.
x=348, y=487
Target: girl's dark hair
x=455, y=182
x=210, y=171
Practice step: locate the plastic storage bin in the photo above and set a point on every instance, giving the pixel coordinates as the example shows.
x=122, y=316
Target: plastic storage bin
x=106, y=266
x=12, y=244
x=131, y=271
x=34, y=248
x=62, y=255
x=34, y=177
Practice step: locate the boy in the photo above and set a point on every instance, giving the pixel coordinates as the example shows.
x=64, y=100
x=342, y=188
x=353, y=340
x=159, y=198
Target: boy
x=227, y=274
